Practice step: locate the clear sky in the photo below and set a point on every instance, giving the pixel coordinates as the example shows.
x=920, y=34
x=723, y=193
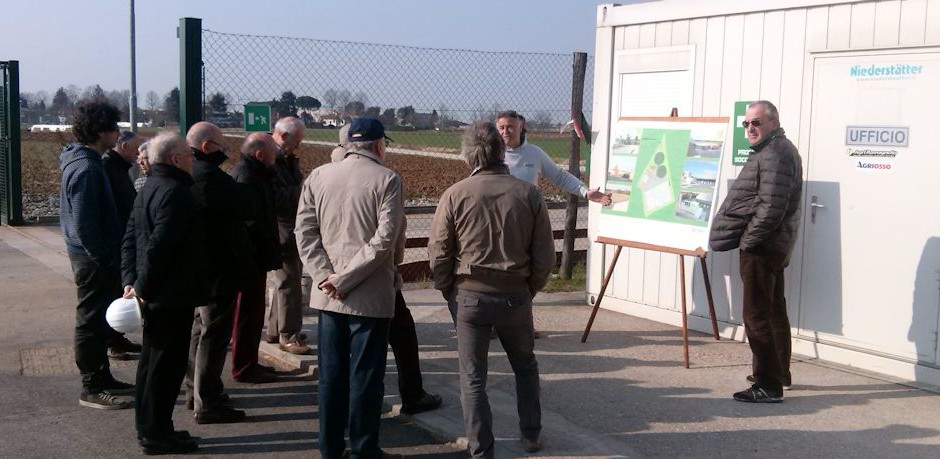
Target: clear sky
x=86, y=42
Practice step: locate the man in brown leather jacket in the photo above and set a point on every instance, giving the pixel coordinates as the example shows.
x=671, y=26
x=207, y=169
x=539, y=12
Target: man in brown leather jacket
x=761, y=215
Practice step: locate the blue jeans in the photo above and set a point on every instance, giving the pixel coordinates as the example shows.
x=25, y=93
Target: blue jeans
x=351, y=353
x=476, y=315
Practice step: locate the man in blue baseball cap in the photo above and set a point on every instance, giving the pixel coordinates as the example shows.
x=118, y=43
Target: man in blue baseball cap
x=354, y=270
x=366, y=130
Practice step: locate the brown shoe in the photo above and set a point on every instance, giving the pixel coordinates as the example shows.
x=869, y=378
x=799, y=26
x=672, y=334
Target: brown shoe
x=295, y=347
x=271, y=339
x=256, y=375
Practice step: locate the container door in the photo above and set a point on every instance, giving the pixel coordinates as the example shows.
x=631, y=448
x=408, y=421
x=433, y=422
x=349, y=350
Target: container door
x=871, y=218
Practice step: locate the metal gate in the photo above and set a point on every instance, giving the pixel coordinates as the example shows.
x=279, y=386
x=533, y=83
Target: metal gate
x=11, y=193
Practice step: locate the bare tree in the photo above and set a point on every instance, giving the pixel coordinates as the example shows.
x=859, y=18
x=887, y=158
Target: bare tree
x=342, y=98
x=93, y=92
x=330, y=98
x=361, y=97
x=540, y=120
x=153, y=100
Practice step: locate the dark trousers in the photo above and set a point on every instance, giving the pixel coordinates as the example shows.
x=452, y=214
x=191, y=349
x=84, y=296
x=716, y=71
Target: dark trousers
x=765, y=317
x=477, y=314
x=351, y=355
x=97, y=287
x=403, y=338
x=249, y=320
x=161, y=368
x=209, y=338
x=286, y=315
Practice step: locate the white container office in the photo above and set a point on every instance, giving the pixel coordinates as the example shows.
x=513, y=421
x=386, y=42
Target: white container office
x=857, y=84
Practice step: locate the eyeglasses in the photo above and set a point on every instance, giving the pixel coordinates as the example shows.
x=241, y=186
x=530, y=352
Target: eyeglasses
x=754, y=122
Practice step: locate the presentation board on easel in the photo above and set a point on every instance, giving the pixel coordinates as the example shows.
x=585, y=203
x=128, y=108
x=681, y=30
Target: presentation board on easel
x=662, y=176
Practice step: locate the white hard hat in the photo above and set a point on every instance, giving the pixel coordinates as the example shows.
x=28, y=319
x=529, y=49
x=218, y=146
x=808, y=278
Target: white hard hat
x=123, y=315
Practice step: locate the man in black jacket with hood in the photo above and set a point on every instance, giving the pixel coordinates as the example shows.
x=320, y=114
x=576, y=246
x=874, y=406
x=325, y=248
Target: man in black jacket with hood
x=163, y=266
x=226, y=206
x=258, y=153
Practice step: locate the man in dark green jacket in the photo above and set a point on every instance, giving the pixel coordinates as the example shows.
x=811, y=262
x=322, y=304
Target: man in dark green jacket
x=761, y=215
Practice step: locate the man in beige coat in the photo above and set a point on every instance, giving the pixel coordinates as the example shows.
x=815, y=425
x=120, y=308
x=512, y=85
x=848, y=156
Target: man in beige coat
x=349, y=222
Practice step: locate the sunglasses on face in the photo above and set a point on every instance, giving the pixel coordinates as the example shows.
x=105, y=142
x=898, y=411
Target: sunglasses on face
x=754, y=122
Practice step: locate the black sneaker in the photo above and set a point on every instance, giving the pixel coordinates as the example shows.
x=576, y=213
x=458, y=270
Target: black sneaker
x=750, y=379
x=121, y=347
x=427, y=402
x=102, y=401
x=755, y=394
x=219, y=415
x=116, y=387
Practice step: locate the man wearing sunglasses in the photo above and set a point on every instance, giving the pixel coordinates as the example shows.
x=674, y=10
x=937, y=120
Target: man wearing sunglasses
x=761, y=216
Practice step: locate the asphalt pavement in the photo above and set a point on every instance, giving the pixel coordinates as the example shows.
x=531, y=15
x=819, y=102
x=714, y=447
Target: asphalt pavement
x=623, y=393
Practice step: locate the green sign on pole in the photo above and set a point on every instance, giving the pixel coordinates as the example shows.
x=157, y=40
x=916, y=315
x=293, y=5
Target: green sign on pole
x=257, y=118
x=741, y=148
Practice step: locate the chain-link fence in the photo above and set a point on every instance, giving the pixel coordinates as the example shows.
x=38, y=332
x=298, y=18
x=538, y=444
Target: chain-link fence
x=424, y=96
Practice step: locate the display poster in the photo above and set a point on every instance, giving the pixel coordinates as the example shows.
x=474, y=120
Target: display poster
x=740, y=146
x=662, y=176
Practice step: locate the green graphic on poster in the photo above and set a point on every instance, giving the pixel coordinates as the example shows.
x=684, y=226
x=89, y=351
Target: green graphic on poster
x=660, y=158
x=740, y=147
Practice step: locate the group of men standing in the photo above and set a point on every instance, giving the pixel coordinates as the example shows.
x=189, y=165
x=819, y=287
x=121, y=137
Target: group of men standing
x=192, y=244
x=195, y=245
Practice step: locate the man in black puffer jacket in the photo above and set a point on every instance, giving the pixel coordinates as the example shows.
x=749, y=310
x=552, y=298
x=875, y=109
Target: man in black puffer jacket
x=255, y=170
x=761, y=215
x=163, y=264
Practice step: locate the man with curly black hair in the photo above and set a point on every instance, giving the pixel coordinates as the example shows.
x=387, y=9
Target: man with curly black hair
x=92, y=232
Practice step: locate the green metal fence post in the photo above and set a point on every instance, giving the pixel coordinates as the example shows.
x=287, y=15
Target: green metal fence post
x=190, y=36
x=12, y=192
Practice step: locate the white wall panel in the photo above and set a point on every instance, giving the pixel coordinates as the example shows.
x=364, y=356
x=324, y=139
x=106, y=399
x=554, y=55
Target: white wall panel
x=714, y=55
x=887, y=23
x=932, y=23
x=772, y=56
x=753, y=47
x=913, y=21
x=680, y=33
x=663, y=34
x=840, y=19
x=698, y=36
x=862, y=28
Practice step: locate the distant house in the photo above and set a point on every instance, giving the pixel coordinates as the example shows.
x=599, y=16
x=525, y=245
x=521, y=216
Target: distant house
x=324, y=116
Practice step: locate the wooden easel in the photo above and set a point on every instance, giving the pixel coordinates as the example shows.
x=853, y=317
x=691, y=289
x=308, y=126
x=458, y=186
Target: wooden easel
x=699, y=253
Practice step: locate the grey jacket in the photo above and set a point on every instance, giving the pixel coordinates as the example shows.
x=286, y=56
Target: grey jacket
x=762, y=209
x=349, y=222
x=491, y=233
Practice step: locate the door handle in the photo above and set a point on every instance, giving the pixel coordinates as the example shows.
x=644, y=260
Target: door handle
x=813, y=206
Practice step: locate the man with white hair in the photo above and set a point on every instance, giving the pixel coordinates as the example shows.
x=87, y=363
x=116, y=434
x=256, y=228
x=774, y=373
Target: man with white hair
x=285, y=316
x=163, y=265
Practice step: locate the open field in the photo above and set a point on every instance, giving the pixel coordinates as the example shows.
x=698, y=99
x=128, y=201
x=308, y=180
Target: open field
x=424, y=179
x=556, y=145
